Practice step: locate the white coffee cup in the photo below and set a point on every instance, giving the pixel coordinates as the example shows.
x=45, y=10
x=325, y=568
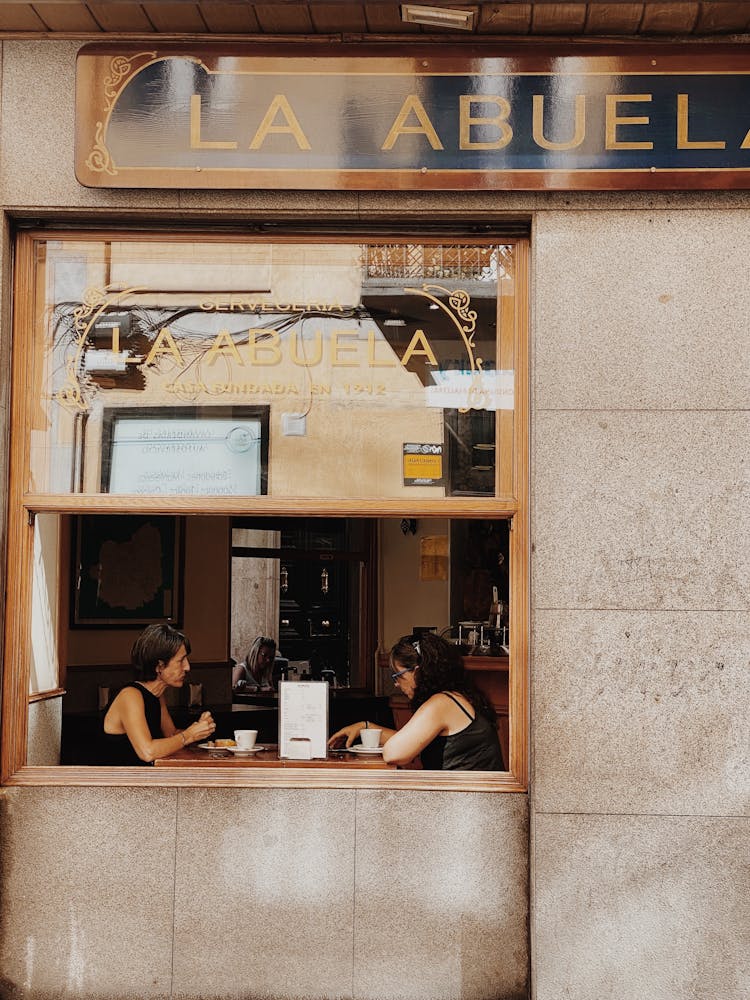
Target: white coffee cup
x=370, y=738
x=245, y=738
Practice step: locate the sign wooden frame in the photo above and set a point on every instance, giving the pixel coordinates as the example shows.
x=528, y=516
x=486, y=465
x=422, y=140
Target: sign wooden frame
x=396, y=117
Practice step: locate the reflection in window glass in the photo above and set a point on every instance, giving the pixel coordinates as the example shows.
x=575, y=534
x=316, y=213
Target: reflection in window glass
x=294, y=369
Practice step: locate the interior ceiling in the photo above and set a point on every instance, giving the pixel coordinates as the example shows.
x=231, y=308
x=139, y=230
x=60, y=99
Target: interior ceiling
x=344, y=20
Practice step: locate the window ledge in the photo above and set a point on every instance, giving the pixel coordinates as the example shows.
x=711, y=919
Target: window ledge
x=46, y=695
x=287, y=777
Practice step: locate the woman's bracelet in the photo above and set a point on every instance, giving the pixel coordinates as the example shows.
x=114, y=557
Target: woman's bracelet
x=184, y=741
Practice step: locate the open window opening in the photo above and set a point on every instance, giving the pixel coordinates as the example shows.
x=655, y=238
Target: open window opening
x=352, y=588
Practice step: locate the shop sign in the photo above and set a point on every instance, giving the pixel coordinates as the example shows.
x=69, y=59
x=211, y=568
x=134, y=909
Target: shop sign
x=403, y=117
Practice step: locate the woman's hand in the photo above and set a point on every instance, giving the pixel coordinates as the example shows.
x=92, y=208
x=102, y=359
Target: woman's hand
x=200, y=730
x=346, y=736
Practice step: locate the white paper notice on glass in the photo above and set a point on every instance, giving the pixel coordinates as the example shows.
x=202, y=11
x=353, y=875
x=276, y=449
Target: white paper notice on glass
x=303, y=720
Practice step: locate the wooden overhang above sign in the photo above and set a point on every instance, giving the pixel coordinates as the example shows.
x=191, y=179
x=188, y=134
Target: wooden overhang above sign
x=410, y=118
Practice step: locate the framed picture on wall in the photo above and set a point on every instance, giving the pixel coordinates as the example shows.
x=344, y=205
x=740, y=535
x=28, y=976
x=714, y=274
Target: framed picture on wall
x=127, y=570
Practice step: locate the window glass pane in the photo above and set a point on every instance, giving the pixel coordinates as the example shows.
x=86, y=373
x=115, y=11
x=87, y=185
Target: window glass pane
x=350, y=370
x=45, y=605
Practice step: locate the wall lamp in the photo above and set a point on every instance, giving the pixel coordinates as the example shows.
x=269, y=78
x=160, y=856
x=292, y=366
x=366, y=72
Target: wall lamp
x=437, y=17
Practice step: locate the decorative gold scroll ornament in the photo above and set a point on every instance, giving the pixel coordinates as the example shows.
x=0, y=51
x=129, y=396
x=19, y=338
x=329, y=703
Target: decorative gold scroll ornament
x=95, y=302
x=121, y=72
x=465, y=321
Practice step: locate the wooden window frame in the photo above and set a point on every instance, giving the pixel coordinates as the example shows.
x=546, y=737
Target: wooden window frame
x=511, y=501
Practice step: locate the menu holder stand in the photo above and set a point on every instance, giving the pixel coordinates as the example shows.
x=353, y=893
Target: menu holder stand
x=303, y=720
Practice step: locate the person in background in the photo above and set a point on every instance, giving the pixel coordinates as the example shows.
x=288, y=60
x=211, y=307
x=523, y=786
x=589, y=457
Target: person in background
x=453, y=727
x=254, y=673
x=137, y=727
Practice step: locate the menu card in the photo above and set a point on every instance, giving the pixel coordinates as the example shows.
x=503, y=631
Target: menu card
x=303, y=719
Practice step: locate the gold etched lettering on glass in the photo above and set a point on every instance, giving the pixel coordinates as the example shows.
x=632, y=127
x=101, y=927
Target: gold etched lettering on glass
x=263, y=347
x=419, y=345
x=164, y=344
x=299, y=350
x=94, y=303
x=338, y=348
x=465, y=321
x=223, y=345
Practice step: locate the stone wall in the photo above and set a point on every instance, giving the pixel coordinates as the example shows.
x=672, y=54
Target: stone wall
x=641, y=583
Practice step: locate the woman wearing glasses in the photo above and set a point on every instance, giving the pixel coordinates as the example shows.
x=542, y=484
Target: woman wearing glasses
x=453, y=727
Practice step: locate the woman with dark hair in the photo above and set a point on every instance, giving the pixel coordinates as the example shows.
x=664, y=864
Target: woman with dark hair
x=254, y=673
x=137, y=727
x=453, y=727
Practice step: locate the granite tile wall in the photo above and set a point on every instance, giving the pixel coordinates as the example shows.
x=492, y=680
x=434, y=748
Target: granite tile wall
x=260, y=894
x=641, y=584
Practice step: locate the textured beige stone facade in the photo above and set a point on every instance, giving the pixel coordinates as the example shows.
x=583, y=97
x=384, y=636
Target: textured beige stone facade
x=634, y=839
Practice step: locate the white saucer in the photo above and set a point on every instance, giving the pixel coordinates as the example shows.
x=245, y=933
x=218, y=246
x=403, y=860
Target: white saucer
x=241, y=750
x=361, y=749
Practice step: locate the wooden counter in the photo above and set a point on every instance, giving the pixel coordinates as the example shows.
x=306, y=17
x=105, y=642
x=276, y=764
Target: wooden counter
x=193, y=757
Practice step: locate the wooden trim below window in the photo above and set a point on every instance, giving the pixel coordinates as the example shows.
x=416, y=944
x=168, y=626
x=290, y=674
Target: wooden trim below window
x=47, y=695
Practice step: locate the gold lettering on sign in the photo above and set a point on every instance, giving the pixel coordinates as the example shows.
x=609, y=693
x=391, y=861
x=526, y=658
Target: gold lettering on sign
x=223, y=345
x=164, y=344
x=195, y=129
x=419, y=338
x=412, y=105
x=299, y=355
x=682, y=129
x=612, y=120
x=371, y=344
x=264, y=342
x=291, y=126
x=338, y=348
x=500, y=120
x=538, y=124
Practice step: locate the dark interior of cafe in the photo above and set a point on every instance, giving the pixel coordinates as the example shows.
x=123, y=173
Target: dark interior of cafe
x=334, y=594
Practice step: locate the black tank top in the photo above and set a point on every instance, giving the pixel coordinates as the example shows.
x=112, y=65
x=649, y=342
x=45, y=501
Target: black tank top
x=117, y=750
x=475, y=748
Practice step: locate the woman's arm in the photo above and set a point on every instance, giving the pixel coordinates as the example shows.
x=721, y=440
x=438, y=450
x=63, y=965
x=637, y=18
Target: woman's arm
x=428, y=721
x=347, y=735
x=168, y=727
x=127, y=713
x=238, y=674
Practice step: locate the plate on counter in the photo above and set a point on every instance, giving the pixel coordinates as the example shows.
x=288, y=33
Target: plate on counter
x=360, y=749
x=210, y=745
x=240, y=751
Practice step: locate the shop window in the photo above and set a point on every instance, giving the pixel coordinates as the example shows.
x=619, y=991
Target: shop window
x=208, y=393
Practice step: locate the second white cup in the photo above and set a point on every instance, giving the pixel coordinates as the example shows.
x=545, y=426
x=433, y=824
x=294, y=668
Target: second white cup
x=245, y=738
x=370, y=738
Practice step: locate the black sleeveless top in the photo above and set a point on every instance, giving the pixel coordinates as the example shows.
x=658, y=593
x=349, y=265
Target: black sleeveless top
x=117, y=750
x=475, y=748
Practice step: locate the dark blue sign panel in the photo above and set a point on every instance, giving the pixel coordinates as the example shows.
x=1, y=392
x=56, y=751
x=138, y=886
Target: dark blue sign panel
x=409, y=120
